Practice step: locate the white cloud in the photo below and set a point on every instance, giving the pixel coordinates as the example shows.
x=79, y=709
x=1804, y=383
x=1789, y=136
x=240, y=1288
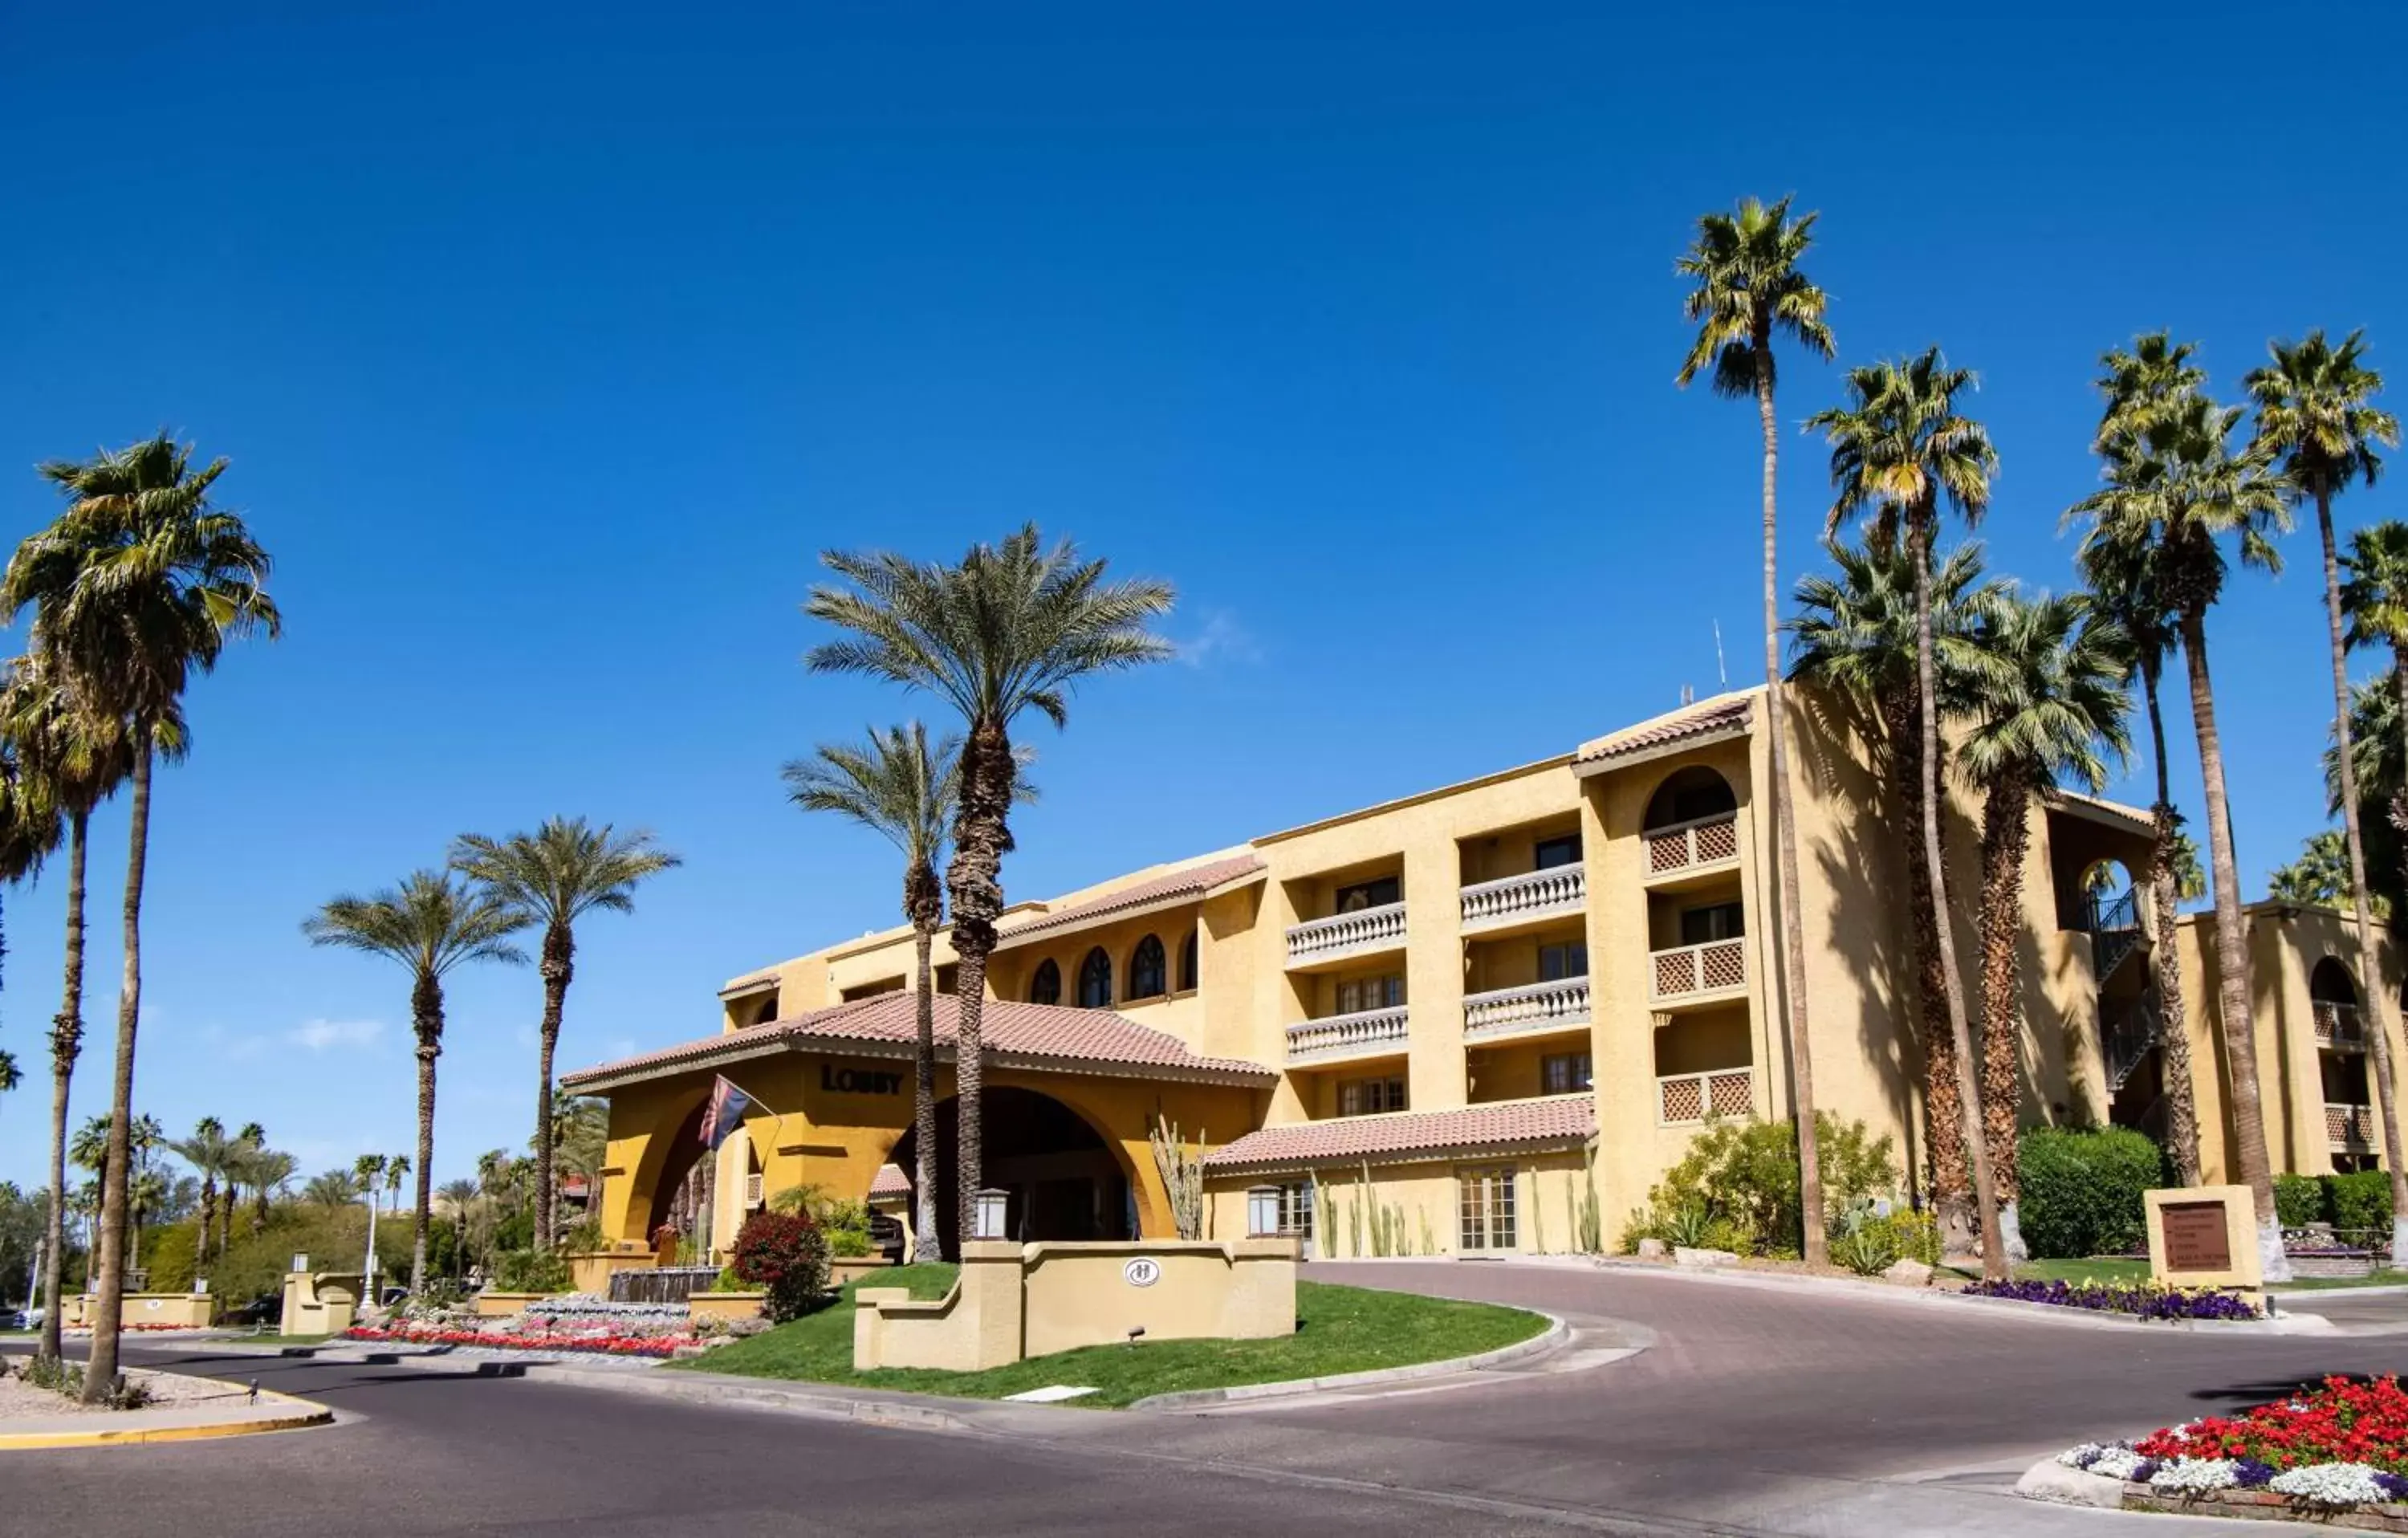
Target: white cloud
x=320, y=1035
x=1222, y=638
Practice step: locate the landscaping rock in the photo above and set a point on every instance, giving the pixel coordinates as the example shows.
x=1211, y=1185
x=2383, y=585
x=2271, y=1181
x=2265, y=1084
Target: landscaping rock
x=690, y=1353
x=1702, y=1260
x=1651, y=1249
x=1909, y=1272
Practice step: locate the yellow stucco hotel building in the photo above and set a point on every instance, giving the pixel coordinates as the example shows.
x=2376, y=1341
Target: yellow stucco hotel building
x=1465, y=1010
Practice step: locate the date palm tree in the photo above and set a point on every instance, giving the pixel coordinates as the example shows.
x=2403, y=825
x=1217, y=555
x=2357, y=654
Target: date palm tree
x=2174, y=491
x=553, y=877
x=335, y=1189
x=1854, y=637
x=1899, y=448
x=1012, y=628
x=2317, y=421
x=2052, y=709
x=250, y=1142
x=267, y=1171
x=208, y=1151
x=138, y=585
x=1749, y=289
x=2120, y=567
x=429, y=924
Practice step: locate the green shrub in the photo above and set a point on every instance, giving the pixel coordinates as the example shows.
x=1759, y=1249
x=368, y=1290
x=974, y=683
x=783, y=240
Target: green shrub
x=530, y=1270
x=728, y=1280
x=2299, y=1200
x=2359, y=1201
x=1870, y=1243
x=2082, y=1189
x=1743, y=1174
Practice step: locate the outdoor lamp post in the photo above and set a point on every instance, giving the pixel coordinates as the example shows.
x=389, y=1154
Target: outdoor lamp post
x=1263, y=1212
x=986, y=1214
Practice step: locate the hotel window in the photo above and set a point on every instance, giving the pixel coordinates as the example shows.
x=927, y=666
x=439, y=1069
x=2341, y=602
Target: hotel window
x=1148, y=970
x=1295, y=1210
x=1564, y=1072
x=1558, y=962
x=1549, y=852
x=1369, y=894
x=1095, y=981
x=1046, y=986
x=1357, y=994
x=1187, y=969
x=1485, y=1203
x=1723, y=921
x=1370, y=1097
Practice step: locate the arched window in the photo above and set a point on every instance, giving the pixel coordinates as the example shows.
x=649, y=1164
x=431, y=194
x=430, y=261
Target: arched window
x=1149, y=972
x=1095, y=981
x=1187, y=970
x=2329, y=983
x=1688, y=795
x=1046, y=986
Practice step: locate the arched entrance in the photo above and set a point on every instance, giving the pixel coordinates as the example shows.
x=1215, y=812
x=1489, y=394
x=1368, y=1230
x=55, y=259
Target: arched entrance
x=677, y=1193
x=1062, y=1179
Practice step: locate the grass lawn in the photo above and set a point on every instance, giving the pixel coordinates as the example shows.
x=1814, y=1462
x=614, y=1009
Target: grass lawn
x=1340, y=1330
x=2335, y=1284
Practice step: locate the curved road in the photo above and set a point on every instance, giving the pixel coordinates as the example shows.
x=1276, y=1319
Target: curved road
x=1756, y=1410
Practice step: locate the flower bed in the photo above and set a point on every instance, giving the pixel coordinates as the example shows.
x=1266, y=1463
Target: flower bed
x=2143, y=1301
x=2340, y=1448
x=424, y=1334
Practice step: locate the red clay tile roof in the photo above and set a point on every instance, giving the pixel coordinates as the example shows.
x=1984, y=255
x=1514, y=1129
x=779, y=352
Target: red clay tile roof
x=1706, y=718
x=1193, y=882
x=889, y=1181
x=1404, y=1136
x=1035, y=1036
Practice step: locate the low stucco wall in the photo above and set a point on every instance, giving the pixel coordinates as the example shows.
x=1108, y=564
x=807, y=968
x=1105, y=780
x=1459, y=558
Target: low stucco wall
x=590, y=1271
x=501, y=1305
x=724, y=1305
x=1082, y=1294
x=179, y=1310
x=320, y=1302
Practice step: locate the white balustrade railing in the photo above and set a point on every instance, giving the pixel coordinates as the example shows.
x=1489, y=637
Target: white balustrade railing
x=2337, y=1024
x=1536, y=1006
x=1334, y=1035
x=1535, y=894
x=1687, y=846
x=1708, y=967
x=1683, y=1098
x=2353, y=1125
x=1343, y=934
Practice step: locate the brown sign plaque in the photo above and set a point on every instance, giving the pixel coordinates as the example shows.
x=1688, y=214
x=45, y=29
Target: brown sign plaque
x=2196, y=1237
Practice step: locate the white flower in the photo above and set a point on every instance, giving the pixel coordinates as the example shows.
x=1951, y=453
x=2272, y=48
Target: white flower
x=2329, y=1485
x=2194, y=1475
x=2118, y=1462
x=2080, y=1455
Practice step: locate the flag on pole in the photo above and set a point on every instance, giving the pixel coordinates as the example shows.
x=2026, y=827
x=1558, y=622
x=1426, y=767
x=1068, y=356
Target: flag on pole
x=724, y=1114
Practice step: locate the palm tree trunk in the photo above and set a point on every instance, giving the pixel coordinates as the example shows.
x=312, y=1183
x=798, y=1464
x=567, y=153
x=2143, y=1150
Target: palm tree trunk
x=558, y=965
x=2006, y=828
x=2233, y=964
x=100, y=1370
x=2369, y=979
x=981, y=837
x=1985, y=1203
x=426, y=1014
x=1785, y=836
x=66, y=1043
x=1952, y=1180
x=927, y=1240
x=2174, y=1039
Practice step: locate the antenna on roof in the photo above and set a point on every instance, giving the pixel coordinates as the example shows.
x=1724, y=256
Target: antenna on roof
x=1720, y=671
x=1688, y=694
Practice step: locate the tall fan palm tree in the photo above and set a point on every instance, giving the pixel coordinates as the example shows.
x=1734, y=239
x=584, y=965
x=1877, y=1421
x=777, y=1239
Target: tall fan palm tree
x=1855, y=637
x=396, y=1173
x=2054, y=710
x=1899, y=448
x=898, y=786
x=2321, y=873
x=138, y=585
x=2174, y=491
x=553, y=877
x=2120, y=567
x=1749, y=288
x=209, y=1152
x=1013, y=627
x=429, y=925
x=2317, y=421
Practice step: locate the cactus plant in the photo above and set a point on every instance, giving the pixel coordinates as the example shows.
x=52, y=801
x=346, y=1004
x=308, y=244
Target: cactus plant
x=1182, y=1176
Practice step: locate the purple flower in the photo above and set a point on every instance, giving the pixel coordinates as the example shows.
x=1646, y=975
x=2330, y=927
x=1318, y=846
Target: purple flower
x=2251, y=1475
x=2143, y=1301
x=2143, y=1470
x=2393, y=1486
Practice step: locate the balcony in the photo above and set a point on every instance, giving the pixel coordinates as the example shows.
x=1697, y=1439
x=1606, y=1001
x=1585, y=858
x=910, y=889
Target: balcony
x=1344, y=937
x=1694, y=974
x=2349, y=1126
x=1532, y=1010
x=1365, y=1033
x=1700, y=847
x=1530, y=899
x=2339, y=1027
x=1683, y=1100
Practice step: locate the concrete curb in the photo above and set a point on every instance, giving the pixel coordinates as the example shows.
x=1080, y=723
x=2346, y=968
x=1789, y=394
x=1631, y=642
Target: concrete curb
x=1547, y=1340
x=304, y=1413
x=918, y=1412
x=2049, y=1480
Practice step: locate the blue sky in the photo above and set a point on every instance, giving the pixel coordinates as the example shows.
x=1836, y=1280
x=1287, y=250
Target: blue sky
x=550, y=347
